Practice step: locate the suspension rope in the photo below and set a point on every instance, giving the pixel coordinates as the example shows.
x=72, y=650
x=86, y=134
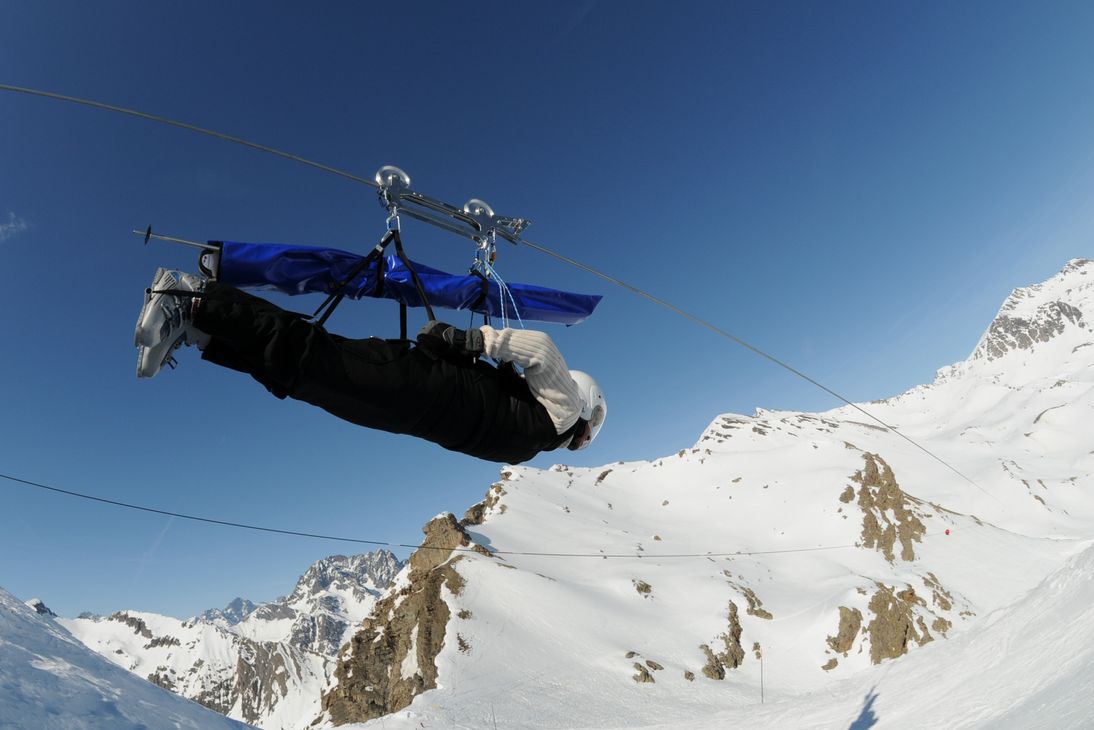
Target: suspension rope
x=381, y=543
x=534, y=246
x=503, y=292
x=192, y=128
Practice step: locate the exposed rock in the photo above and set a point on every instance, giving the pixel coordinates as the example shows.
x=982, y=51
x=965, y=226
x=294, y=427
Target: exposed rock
x=894, y=625
x=259, y=680
x=755, y=605
x=848, y=495
x=850, y=621
x=162, y=641
x=476, y=514
x=888, y=513
x=630, y=655
x=654, y=665
x=642, y=587
x=138, y=625
x=713, y=668
x=274, y=612
x=162, y=679
x=40, y=607
x=830, y=664
x=602, y=476
x=732, y=655
x=643, y=675
x=1009, y=333
x=370, y=680
x=942, y=598
x=689, y=676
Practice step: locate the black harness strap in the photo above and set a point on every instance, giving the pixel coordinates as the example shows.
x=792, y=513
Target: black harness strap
x=337, y=293
x=401, y=253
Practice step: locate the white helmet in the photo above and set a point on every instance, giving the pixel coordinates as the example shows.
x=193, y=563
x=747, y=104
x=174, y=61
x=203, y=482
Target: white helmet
x=594, y=409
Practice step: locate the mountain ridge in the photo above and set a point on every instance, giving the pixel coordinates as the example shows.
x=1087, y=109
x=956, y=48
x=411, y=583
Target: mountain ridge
x=268, y=667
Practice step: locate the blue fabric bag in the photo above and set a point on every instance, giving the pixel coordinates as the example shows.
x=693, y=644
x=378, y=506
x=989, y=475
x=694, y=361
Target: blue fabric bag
x=309, y=269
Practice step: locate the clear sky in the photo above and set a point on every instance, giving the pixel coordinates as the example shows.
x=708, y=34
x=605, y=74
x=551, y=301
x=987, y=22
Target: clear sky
x=852, y=186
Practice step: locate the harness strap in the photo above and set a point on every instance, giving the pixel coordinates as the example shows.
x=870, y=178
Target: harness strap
x=337, y=293
x=484, y=289
x=401, y=253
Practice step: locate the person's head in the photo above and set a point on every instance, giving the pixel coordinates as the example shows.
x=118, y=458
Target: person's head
x=594, y=410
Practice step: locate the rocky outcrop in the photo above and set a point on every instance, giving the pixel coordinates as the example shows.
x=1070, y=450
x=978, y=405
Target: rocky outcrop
x=732, y=654
x=392, y=659
x=850, y=622
x=40, y=607
x=1010, y=332
x=895, y=626
x=889, y=516
x=755, y=605
x=137, y=624
x=642, y=675
x=477, y=512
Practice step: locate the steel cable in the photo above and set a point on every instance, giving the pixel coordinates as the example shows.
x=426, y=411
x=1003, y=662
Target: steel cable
x=381, y=543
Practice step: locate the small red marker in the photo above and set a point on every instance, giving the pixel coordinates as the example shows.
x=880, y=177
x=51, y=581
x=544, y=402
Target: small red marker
x=947, y=532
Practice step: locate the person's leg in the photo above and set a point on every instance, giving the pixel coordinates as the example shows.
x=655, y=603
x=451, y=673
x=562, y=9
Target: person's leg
x=369, y=382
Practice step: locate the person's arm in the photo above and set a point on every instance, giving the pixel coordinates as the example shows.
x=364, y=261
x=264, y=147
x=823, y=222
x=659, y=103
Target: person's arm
x=544, y=368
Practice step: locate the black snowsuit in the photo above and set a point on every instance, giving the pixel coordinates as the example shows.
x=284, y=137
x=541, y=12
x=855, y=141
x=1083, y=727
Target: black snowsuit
x=391, y=385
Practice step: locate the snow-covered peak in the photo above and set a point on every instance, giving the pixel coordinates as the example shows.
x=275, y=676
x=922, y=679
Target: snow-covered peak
x=230, y=615
x=1036, y=314
x=40, y=607
x=360, y=575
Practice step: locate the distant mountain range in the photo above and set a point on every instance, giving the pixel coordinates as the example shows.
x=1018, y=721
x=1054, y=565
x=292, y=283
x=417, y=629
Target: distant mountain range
x=266, y=664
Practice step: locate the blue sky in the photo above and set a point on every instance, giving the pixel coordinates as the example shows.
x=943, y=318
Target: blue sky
x=854, y=187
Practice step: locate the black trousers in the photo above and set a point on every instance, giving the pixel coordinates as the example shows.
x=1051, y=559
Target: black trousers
x=391, y=385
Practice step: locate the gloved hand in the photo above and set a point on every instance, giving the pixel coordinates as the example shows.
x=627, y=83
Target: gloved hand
x=439, y=335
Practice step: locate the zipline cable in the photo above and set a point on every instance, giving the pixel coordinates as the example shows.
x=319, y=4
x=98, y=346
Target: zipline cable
x=381, y=543
x=534, y=246
x=191, y=127
x=729, y=336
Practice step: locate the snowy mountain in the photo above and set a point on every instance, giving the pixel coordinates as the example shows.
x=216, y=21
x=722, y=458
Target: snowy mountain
x=789, y=570
x=50, y=680
x=40, y=607
x=230, y=615
x=266, y=664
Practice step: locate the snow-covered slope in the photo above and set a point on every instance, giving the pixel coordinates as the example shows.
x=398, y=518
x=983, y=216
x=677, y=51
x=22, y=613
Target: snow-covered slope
x=50, y=680
x=266, y=664
x=787, y=555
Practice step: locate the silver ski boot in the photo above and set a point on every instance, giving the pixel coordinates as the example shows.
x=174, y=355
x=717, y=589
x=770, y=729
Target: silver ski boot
x=164, y=323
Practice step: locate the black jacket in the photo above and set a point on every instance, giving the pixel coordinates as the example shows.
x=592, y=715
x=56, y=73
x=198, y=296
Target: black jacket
x=391, y=385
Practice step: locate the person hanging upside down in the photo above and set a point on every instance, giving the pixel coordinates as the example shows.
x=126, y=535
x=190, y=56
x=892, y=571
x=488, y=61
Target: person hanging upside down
x=437, y=388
